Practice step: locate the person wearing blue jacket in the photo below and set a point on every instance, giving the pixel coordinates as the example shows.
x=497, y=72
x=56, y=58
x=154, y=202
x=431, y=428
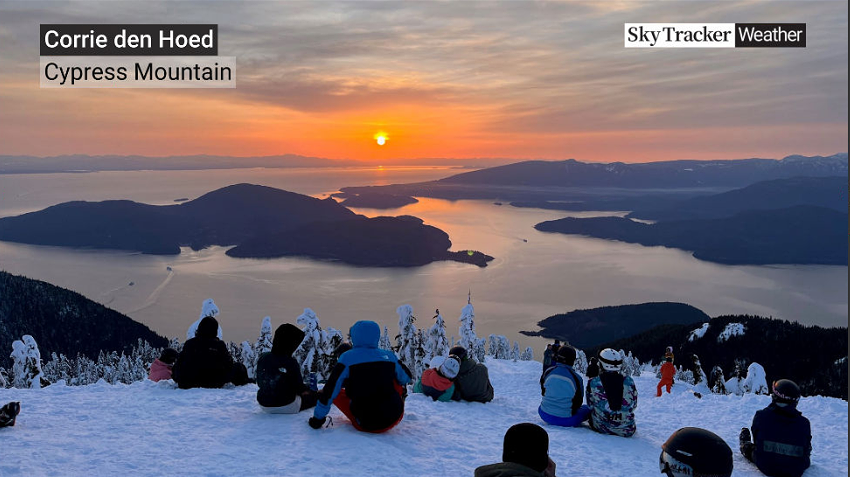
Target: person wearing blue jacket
x=367, y=384
x=563, y=391
x=783, y=437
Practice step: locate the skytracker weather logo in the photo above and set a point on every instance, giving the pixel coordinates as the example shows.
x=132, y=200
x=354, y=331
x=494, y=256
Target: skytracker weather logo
x=715, y=35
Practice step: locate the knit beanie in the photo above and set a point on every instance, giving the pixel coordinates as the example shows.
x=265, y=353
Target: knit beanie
x=527, y=444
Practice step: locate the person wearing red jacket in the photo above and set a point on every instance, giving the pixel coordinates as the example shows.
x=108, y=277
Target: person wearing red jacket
x=667, y=372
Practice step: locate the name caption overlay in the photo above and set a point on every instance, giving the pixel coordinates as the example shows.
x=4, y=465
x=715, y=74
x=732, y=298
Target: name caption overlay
x=714, y=35
x=133, y=56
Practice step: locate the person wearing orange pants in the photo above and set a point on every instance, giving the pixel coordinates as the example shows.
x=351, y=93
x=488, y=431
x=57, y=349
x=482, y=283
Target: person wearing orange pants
x=667, y=372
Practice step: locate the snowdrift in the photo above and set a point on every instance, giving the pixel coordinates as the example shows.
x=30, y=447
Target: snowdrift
x=154, y=429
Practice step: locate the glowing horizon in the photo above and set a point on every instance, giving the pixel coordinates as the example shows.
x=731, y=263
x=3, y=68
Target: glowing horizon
x=512, y=80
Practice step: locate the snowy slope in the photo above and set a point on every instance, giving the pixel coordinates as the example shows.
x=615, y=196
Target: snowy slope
x=153, y=429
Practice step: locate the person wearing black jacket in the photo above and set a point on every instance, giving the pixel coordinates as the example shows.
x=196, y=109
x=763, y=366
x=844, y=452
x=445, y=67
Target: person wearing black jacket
x=281, y=387
x=473, y=380
x=205, y=362
x=781, y=440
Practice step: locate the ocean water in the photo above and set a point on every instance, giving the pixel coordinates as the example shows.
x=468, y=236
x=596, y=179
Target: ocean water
x=534, y=274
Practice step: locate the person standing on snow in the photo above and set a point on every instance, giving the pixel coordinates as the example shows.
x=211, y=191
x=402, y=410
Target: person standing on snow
x=281, y=387
x=367, y=384
x=667, y=373
x=781, y=440
x=473, y=380
x=563, y=391
x=612, y=397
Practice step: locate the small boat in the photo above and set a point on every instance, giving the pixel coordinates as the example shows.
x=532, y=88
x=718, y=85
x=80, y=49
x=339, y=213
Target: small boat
x=131, y=284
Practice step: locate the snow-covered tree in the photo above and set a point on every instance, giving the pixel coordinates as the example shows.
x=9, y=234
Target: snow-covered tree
x=527, y=355
x=504, y=348
x=249, y=359
x=264, y=342
x=311, y=350
x=515, y=352
x=436, y=342
x=385, y=342
x=581, y=362
x=175, y=344
x=700, y=379
x=756, y=380
x=468, y=338
x=4, y=380
x=735, y=384
x=684, y=375
x=631, y=366
x=208, y=308
x=407, y=342
x=26, y=367
x=718, y=381
x=479, y=350
x=493, y=346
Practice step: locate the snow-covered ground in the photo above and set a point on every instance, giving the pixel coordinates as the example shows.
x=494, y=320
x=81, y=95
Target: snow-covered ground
x=153, y=429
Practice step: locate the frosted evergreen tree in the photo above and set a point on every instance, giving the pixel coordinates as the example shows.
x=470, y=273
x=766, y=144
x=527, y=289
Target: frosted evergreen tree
x=581, y=362
x=493, y=346
x=175, y=344
x=527, y=355
x=385, y=342
x=718, y=381
x=515, y=352
x=436, y=342
x=26, y=367
x=264, y=342
x=249, y=359
x=420, y=354
x=468, y=338
x=684, y=375
x=4, y=380
x=700, y=379
x=310, y=353
x=406, y=340
x=631, y=366
x=756, y=380
x=478, y=350
x=735, y=384
x=333, y=338
x=208, y=308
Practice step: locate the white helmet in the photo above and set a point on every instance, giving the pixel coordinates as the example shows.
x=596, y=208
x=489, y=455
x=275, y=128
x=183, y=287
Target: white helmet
x=610, y=360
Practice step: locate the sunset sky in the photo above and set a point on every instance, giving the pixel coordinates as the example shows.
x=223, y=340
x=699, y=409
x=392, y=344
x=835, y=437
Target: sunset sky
x=516, y=79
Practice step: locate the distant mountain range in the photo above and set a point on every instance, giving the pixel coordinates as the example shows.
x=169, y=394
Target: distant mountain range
x=801, y=220
x=571, y=179
x=261, y=221
x=796, y=235
x=63, y=321
x=592, y=327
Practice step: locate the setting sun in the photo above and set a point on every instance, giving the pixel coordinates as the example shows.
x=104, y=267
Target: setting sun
x=381, y=140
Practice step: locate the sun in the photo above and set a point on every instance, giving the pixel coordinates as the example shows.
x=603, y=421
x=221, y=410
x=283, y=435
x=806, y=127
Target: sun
x=381, y=138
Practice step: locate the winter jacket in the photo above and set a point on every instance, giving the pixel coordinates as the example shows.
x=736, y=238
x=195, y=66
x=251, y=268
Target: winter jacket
x=506, y=469
x=613, y=400
x=783, y=441
x=369, y=376
x=473, y=382
x=547, y=357
x=278, y=374
x=435, y=385
x=159, y=371
x=204, y=361
x=667, y=372
x=563, y=391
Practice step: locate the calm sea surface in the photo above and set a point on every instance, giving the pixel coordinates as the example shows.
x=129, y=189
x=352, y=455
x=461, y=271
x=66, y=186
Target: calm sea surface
x=533, y=276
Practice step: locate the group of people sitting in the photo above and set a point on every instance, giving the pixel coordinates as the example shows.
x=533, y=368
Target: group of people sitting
x=369, y=386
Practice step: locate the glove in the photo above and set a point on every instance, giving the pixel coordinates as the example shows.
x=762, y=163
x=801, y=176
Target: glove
x=317, y=423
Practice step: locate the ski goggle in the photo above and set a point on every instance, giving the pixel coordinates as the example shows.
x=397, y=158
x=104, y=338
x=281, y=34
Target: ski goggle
x=672, y=467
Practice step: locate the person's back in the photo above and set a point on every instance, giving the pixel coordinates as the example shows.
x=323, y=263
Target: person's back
x=161, y=367
x=562, y=391
x=473, y=379
x=437, y=382
x=204, y=361
x=782, y=437
x=372, y=379
x=612, y=398
x=280, y=386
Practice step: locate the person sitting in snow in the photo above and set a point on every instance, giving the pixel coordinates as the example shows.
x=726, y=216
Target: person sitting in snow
x=592, y=368
x=667, y=373
x=437, y=381
x=205, y=361
x=161, y=367
x=9, y=413
x=563, y=391
x=547, y=357
x=525, y=453
x=781, y=440
x=473, y=380
x=367, y=384
x=281, y=388
x=612, y=397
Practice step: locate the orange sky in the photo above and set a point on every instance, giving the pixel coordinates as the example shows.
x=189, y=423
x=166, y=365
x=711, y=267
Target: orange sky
x=502, y=80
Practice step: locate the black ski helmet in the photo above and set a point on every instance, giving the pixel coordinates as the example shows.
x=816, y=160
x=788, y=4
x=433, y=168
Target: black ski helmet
x=566, y=354
x=695, y=452
x=785, y=391
x=458, y=351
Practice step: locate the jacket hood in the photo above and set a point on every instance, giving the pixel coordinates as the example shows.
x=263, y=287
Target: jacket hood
x=287, y=337
x=207, y=328
x=365, y=334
